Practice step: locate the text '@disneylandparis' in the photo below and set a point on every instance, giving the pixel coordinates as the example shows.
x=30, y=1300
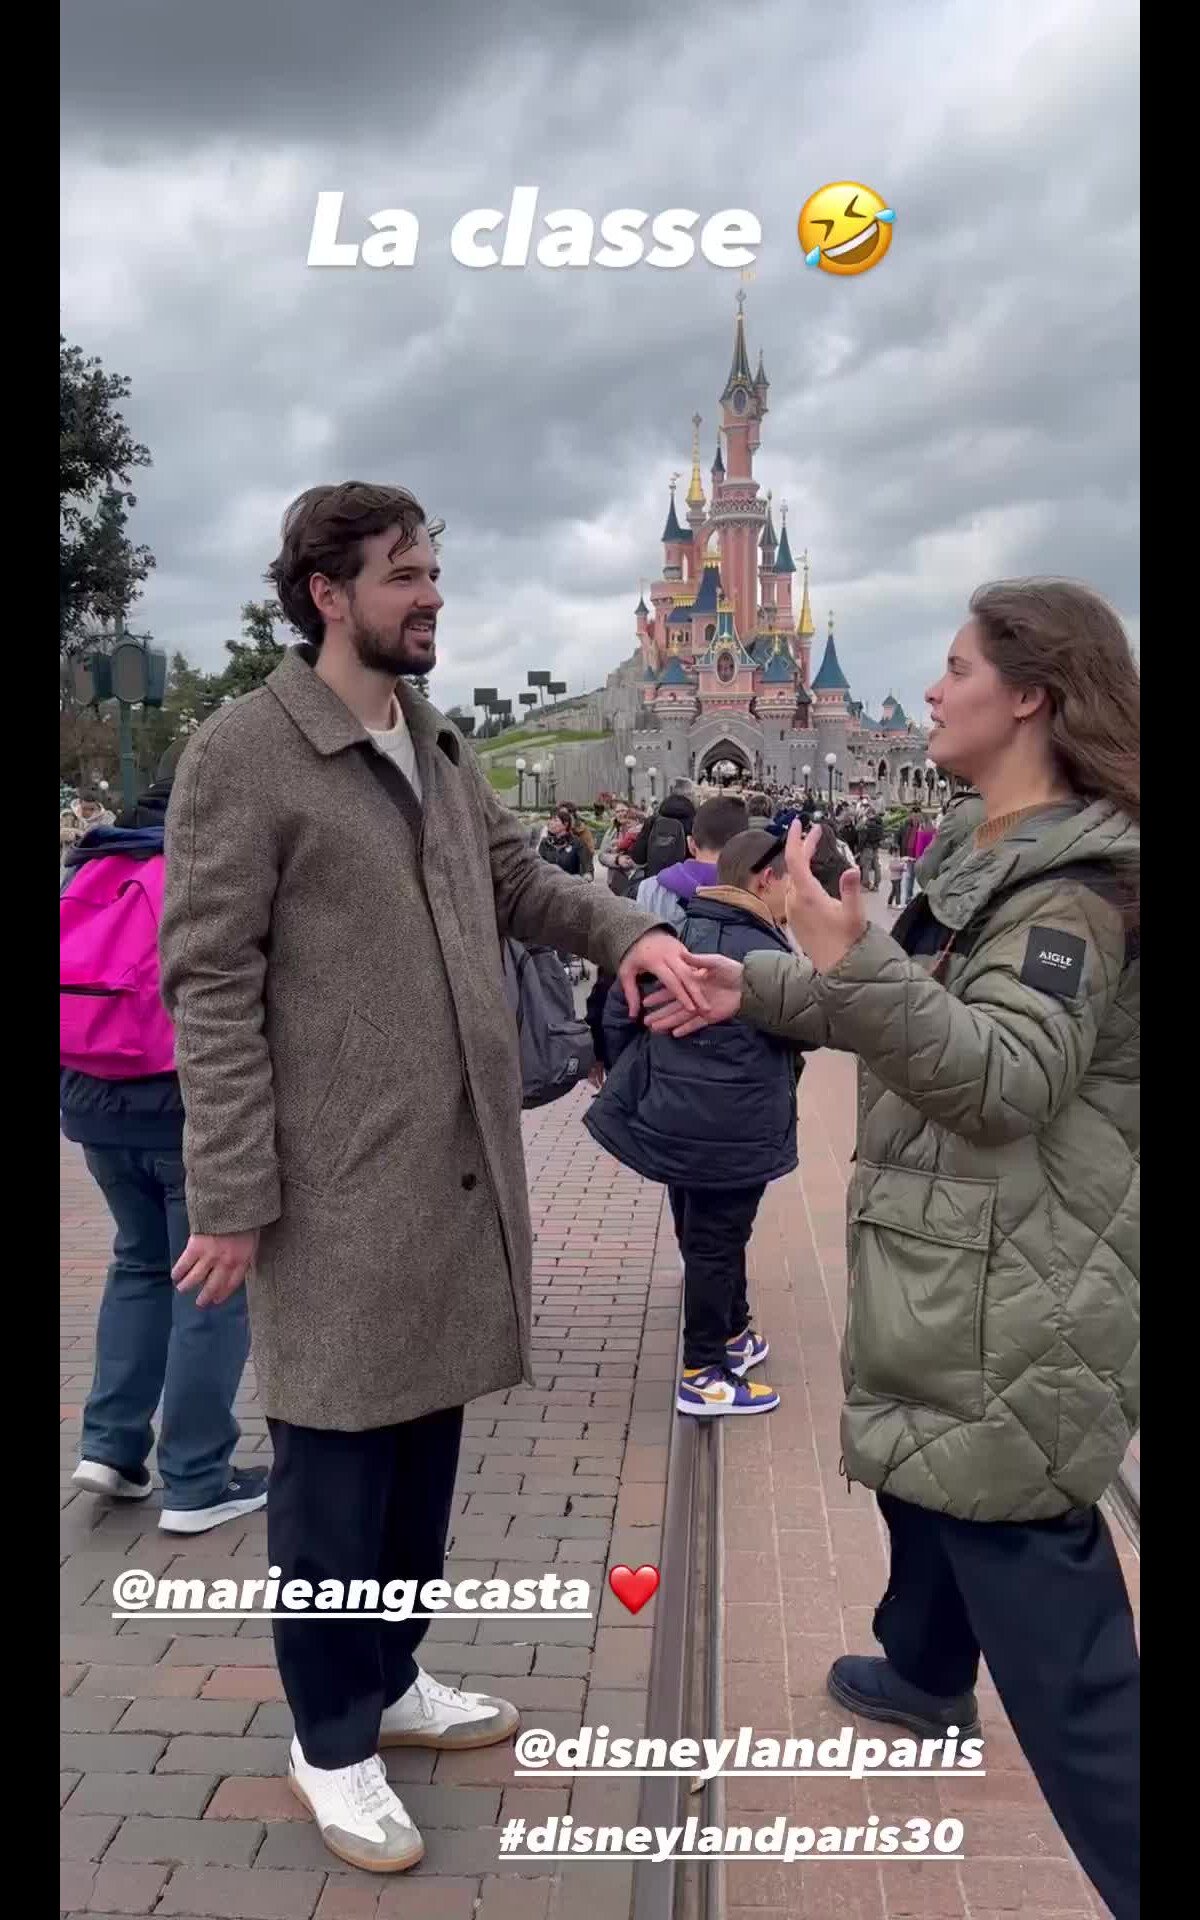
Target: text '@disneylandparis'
x=727, y=239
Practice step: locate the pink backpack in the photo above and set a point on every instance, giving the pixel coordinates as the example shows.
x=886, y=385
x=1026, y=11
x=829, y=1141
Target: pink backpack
x=113, y=1024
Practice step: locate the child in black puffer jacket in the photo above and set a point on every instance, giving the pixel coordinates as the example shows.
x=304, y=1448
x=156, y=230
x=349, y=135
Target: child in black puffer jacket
x=713, y=1117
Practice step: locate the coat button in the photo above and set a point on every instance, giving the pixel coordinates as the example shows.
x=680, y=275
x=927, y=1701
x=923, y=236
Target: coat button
x=470, y=1182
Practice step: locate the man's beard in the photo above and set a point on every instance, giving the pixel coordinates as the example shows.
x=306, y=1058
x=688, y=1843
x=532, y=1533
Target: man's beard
x=393, y=653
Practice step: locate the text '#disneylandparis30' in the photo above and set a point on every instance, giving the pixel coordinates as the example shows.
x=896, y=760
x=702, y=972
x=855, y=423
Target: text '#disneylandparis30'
x=495, y=237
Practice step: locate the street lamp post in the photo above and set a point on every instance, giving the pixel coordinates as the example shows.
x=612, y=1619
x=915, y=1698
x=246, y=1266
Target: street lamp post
x=806, y=776
x=520, y=766
x=830, y=763
x=630, y=764
x=652, y=773
x=536, y=770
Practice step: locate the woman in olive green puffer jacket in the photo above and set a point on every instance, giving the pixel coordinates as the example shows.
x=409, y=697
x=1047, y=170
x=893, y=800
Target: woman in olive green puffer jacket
x=991, y=1352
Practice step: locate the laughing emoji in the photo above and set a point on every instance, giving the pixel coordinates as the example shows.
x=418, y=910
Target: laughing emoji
x=845, y=228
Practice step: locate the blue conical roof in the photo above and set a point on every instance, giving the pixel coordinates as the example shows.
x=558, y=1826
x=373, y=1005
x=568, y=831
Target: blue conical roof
x=783, y=558
x=673, y=530
x=779, y=668
x=706, y=599
x=830, y=678
x=675, y=674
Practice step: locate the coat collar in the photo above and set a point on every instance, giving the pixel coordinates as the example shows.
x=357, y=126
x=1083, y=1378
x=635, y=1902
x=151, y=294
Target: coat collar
x=328, y=724
x=1095, y=831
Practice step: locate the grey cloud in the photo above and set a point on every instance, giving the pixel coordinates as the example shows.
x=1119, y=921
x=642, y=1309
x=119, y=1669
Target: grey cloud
x=970, y=404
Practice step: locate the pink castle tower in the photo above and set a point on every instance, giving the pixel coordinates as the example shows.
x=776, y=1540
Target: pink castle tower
x=736, y=510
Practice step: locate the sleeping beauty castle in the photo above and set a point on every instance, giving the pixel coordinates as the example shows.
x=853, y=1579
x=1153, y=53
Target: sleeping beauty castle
x=723, y=673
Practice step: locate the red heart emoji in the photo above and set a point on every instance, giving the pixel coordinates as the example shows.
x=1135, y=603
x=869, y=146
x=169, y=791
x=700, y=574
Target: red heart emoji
x=634, y=1589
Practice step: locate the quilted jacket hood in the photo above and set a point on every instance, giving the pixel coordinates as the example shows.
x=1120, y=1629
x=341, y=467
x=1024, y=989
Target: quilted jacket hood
x=991, y=1354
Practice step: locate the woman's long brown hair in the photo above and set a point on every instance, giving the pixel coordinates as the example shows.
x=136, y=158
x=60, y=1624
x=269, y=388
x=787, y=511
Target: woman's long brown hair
x=1061, y=636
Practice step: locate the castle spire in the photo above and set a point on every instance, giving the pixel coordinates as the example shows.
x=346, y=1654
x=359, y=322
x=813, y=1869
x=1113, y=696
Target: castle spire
x=783, y=558
x=804, y=625
x=739, y=372
x=769, y=542
x=718, y=465
x=673, y=531
x=695, y=492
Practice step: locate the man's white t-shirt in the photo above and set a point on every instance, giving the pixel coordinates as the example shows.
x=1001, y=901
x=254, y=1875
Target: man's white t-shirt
x=396, y=745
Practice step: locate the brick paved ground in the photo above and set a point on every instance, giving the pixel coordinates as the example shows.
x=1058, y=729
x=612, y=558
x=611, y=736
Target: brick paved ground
x=805, y=1565
x=173, y=1745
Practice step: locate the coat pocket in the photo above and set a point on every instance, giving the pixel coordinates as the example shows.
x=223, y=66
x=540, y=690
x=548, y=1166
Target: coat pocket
x=347, y=1104
x=919, y=1247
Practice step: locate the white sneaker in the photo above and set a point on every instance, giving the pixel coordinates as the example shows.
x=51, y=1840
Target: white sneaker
x=361, y=1820
x=433, y=1715
x=96, y=1477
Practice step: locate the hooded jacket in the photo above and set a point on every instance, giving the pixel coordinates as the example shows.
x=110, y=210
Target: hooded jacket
x=716, y=1110
x=669, y=894
x=991, y=1351
x=142, y=1115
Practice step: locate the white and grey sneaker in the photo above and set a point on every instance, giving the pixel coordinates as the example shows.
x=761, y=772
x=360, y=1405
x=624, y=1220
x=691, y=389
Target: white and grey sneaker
x=433, y=1715
x=95, y=1477
x=360, y=1819
x=246, y=1492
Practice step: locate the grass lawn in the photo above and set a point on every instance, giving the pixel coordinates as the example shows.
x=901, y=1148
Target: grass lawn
x=510, y=742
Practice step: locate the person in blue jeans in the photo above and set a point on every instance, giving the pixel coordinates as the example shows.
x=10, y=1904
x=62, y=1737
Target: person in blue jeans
x=153, y=1342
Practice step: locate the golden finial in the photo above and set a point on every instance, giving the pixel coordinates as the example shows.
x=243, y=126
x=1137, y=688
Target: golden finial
x=695, y=492
x=804, y=625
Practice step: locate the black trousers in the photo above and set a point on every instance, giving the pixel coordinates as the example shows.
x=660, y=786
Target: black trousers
x=1046, y=1603
x=356, y=1506
x=714, y=1231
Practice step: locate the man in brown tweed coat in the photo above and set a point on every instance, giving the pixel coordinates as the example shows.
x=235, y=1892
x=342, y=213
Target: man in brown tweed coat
x=340, y=876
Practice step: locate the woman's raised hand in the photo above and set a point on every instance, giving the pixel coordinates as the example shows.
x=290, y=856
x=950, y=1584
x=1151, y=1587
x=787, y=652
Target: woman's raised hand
x=824, y=927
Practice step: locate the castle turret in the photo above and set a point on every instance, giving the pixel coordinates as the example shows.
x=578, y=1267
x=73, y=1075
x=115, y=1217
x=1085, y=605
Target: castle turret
x=766, y=568
x=675, y=539
x=739, y=513
x=785, y=567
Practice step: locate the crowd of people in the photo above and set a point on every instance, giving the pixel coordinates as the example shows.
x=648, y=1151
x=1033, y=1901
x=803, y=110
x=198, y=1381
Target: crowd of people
x=295, y=942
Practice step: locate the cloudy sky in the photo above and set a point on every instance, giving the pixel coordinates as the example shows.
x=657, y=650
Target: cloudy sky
x=966, y=409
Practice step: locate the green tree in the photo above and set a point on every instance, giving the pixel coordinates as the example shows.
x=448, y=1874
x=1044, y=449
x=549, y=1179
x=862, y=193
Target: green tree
x=100, y=570
x=257, y=654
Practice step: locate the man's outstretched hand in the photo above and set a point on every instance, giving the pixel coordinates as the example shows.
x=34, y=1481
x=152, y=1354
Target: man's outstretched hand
x=669, y=961
x=217, y=1263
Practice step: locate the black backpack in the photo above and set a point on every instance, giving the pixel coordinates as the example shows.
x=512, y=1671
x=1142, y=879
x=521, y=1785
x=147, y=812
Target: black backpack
x=557, y=1050
x=668, y=844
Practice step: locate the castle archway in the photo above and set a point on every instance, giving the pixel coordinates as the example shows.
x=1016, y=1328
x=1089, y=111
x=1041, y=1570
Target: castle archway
x=717, y=760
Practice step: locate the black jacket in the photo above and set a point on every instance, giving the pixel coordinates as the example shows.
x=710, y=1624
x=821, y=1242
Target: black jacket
x=562, y=851
x=716, y=1110
x=141, y=1115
